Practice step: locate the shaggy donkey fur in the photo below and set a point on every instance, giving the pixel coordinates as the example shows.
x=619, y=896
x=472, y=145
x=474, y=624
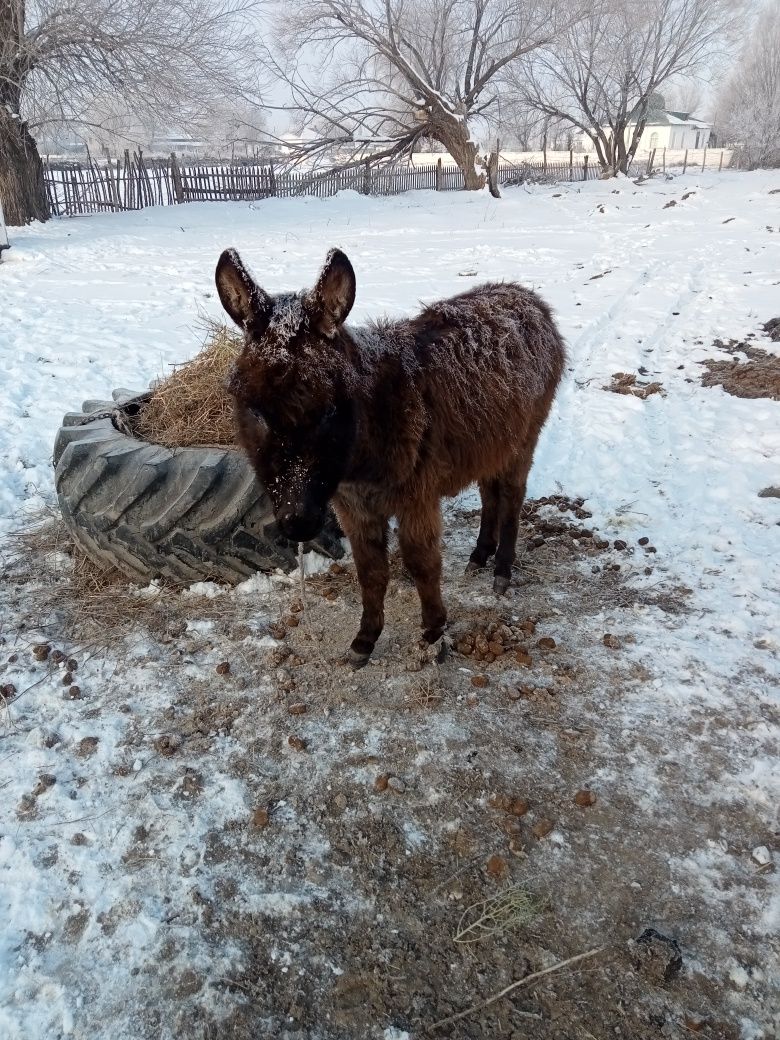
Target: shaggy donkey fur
x=385, y=419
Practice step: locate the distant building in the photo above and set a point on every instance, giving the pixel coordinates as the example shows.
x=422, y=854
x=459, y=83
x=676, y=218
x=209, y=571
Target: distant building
x=182, y=143
x=675, y=131
x=291, y=144
x=665, y=129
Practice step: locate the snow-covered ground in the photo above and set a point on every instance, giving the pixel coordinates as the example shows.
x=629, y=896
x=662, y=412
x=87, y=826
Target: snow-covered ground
x=93, y=931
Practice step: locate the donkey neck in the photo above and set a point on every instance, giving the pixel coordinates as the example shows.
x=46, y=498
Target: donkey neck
x=390, y=416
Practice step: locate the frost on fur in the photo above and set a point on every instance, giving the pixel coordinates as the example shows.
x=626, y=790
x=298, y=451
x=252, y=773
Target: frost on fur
x=385, y=419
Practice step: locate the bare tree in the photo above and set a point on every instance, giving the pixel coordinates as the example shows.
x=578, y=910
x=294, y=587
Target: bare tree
x=523, y=124
x=233, y=128
x=371, y=78
x=749, y=107
x=169, y=58
x=107, y=126
x=601, y=74
x=685, y=96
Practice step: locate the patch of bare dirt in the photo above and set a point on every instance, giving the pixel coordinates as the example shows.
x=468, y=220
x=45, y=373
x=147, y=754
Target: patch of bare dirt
x=758, y=377
x=629, y=383
x=382, y=806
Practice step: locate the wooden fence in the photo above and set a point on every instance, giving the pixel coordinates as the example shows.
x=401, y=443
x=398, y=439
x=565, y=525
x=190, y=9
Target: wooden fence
x=135, y=182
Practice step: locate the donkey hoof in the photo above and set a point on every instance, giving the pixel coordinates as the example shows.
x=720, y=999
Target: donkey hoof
x=434, y=634
x=357, y=659
x=500, y=586
x=434, y=649
x=442, y=648
x=472, y=568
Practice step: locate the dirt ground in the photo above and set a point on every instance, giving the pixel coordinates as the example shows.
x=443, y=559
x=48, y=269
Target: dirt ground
x=383, y=807
x=627, y=383
x=758, y=376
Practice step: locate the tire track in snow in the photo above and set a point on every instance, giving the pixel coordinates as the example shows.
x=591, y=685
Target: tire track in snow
x=563, y=444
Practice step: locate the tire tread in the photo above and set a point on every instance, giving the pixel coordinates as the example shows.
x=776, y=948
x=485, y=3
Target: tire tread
x=193, y=514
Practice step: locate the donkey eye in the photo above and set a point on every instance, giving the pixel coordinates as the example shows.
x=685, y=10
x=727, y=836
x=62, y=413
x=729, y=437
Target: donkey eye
x=326, y=418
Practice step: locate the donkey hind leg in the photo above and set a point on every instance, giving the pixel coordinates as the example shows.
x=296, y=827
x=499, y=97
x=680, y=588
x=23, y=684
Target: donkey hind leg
x=419, y=536
x=367, y=535
x=487, y=539
x=512, y=485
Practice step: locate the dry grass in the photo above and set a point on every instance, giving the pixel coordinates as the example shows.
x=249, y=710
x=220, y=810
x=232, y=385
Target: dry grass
x=64, y=587
x=65, y=592
x=427, y=692
x=191, y=405
x=515, y=907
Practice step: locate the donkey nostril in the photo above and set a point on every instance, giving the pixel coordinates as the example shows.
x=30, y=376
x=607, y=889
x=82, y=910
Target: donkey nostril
x=291, y=518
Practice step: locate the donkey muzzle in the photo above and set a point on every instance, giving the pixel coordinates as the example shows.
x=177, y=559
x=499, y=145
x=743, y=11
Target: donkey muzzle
x=300, y=527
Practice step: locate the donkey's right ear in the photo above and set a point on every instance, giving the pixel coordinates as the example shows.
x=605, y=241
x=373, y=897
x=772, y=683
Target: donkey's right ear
x=241, y=296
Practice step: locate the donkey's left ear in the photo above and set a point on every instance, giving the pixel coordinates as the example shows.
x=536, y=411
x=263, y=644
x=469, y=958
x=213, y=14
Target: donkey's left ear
x=331, y=299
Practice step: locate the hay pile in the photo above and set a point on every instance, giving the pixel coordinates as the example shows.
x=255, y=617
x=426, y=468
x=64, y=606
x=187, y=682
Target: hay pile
x=191, y=405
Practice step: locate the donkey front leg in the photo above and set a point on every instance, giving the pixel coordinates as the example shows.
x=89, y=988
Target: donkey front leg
x=367, y=533
x=419, y=535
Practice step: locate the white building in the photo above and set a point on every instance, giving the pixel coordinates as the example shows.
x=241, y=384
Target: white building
x=675, y=131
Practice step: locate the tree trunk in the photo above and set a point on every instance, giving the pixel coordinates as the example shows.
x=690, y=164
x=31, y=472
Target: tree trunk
x=492, y=175
x=601, y=146
x=636, y=137
x=454, y=135
x=621, y=159
x=22, y=187
x=611, y=163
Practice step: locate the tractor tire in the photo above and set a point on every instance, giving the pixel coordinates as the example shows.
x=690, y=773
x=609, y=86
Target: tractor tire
x=183, y=515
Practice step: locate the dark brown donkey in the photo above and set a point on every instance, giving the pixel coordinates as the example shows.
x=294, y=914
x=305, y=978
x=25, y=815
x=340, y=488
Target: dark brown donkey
x=385, y=419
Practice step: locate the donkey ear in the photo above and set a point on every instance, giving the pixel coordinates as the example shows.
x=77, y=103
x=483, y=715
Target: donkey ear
x=332, y=297
x=241, y=296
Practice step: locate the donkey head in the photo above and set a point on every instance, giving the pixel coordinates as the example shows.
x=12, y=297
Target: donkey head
x=292, y=387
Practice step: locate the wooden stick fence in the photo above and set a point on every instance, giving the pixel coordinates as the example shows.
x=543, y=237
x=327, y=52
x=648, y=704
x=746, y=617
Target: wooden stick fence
x=135, y=182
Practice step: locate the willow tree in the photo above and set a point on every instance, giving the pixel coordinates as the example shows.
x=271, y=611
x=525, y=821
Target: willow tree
x=169, y=58
x=371, y=78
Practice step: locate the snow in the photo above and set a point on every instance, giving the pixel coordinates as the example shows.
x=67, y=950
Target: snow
x=94, y=303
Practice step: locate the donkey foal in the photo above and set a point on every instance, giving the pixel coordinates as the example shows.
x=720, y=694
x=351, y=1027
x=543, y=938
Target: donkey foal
x=385, y=419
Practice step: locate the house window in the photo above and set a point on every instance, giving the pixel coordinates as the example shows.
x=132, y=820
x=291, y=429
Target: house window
x=653, y=141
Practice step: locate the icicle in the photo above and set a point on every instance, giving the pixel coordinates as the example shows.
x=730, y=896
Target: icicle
x=303, y=575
